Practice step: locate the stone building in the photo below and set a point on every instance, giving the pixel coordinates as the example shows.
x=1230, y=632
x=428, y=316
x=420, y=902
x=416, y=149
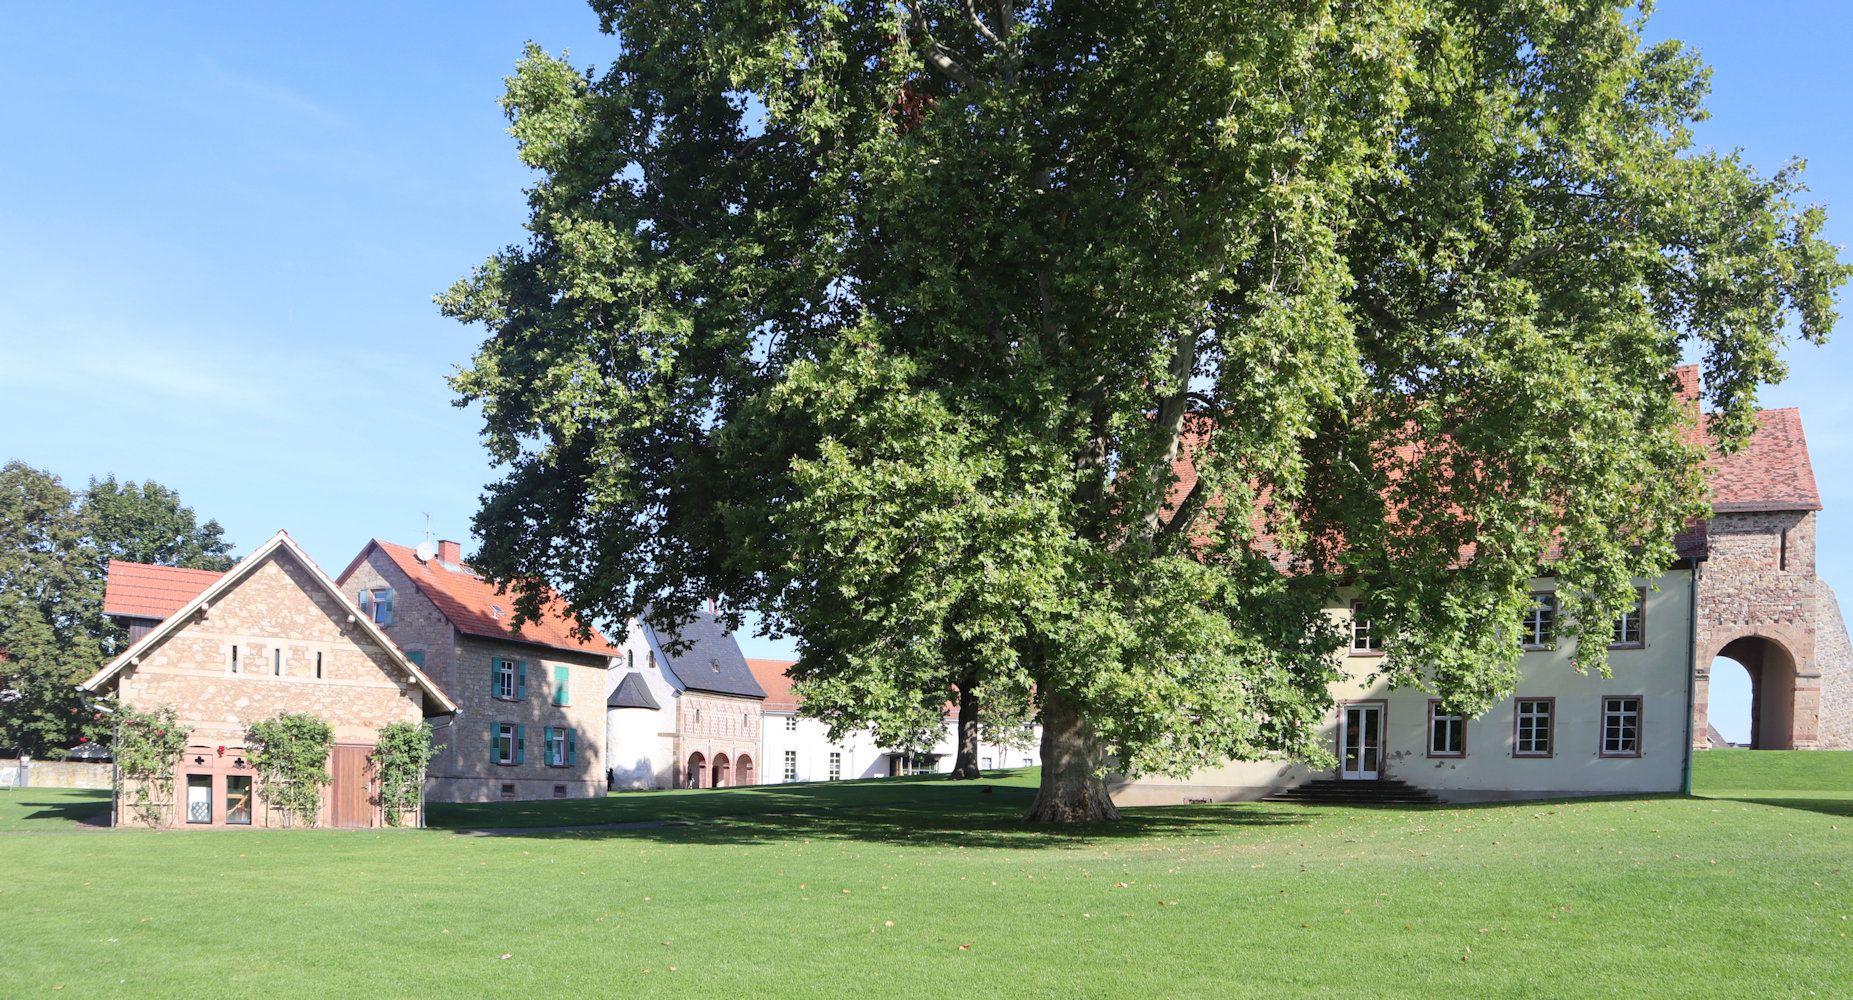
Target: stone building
x=683, y=714
x=532, y=695
x=1759, y=601
x=1743, y=587
x=272, y=635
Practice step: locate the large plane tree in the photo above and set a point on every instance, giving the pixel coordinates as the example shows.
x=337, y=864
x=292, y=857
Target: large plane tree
x=1086, y=353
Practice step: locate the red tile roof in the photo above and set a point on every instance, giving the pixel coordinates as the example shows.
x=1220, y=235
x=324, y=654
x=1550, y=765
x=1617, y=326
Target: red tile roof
x=771, y=675
x=471, y=603
x=137, y=590
x=1770, y=472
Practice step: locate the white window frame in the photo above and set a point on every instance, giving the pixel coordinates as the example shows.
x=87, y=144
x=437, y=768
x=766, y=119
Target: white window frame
x=1621, y=725
x=505, y=679
x=791, y=765
x=1632, y=620
x=791, y=723
x=1538, y=628
x=836, y=766
x=556, y=746
x=1544, y=721
x=505, y=743
x=1447, y=733
x=1363, y=643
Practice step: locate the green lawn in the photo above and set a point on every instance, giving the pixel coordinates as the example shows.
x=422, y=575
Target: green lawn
x=1651, y=897
x=49, y=808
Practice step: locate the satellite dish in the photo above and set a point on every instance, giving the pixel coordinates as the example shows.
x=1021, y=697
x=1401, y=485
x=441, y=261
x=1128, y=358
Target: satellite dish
x=427, y=551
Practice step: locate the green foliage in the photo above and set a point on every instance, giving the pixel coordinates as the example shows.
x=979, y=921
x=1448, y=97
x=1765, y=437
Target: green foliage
x=147, y=750
x=145, y=523
x=55, y=547
x=404, y=751
x=290, y=753
x=891, y=322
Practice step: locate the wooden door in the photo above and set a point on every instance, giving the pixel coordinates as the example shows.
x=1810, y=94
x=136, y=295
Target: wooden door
x=351, y=802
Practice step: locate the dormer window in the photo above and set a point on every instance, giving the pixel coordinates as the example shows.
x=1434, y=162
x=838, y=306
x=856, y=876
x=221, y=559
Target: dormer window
x=376, y=603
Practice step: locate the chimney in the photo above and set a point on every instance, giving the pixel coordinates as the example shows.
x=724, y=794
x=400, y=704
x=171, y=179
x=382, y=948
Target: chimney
x=450, y=553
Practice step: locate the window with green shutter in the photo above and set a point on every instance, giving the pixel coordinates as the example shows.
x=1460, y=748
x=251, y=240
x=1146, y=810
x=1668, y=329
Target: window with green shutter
x=521, y=680
x=561, y=694
x=417, y=657
x=521, y=744
x=572, y=747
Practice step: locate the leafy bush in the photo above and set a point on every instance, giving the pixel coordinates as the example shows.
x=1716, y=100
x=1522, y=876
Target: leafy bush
x=290, y=753
x=148, y=748
x=404, y=751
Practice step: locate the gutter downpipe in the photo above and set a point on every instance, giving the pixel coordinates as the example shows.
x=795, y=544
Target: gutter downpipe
x=1692, y=670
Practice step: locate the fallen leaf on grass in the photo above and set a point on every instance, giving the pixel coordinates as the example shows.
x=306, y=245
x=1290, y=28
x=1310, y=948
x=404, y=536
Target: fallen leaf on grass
x=965, y=947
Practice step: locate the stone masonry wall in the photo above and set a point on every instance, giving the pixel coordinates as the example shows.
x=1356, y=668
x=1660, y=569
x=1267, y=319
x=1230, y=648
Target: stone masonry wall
x=459, y=664
x=1834, y=653
x=1756, y=583
x=282, y=623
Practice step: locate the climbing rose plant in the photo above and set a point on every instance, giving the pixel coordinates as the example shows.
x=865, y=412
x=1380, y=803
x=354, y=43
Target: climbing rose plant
x=290, y=753
x=404, y=751
x=148, y=749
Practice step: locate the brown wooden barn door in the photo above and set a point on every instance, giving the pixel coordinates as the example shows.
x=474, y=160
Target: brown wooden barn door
x=351, y=795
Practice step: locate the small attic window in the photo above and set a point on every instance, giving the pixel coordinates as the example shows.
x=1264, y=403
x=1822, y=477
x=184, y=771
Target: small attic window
x=716, y=664
x=495, y=611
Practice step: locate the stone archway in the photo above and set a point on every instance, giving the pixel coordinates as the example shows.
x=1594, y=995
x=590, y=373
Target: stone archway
x=743, y=770
x=1772, y=689
x=697, y=769
x=723, y=771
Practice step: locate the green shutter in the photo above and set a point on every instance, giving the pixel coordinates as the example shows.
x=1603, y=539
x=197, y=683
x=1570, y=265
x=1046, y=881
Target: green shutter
x=561, y=693
x=495, y=736
x=365, y=600
x=417, y=658
x=521, y=743
x=521, y=680
x=571, y=747
x=495, y=676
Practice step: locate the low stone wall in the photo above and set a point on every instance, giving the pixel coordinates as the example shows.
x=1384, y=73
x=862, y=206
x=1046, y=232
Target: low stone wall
x=1834, y=657
x=69, y=774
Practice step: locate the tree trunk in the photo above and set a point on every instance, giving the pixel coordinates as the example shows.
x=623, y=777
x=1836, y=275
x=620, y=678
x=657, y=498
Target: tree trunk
x=1071, y=791
x=965, y=766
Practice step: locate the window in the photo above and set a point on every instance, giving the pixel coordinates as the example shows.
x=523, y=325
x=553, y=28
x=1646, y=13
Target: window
x=1621, y=726
x=1540, y=622
x=791, y=765
x=561, y=746
x=318, y=665
x=417, y=656
x=508, y=791
x=836, y=766
x=238, y=799
x=559, y=791
x=791, y=723
x=507, y=743
x=377, y=604
x=1628, y=623
x=508, y=679
x=1027, y=763
x=1363, y=641
x=1782, y=551
x=276, y=661
x=199, y=798
x=1447, y=733
x=984, y=763
x=562, y=686
x=234, y=659
x=1533, y=737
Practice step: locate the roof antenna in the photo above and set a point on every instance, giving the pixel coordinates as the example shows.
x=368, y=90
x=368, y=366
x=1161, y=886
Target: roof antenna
x=427, y=525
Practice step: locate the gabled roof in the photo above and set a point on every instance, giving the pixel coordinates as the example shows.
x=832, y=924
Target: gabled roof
x=771, y=675
x=1770, y=472
x=712, y=662
x=632, y=692
x=230, y=580
x=474, y=608
x=137, y=590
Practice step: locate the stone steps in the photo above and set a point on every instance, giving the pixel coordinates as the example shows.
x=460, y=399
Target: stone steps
x=1333, y=791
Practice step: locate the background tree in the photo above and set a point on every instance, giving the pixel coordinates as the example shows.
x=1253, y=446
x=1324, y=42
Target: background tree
x=1111, y=341
x=55, y=548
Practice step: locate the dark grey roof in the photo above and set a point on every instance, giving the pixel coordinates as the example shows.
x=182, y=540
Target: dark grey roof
x=713, y=663
x=632, y=692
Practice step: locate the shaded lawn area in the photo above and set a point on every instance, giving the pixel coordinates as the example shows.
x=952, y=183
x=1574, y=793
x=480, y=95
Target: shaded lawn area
x=1813, y=780
x=1650, y=897
x=49, y=808
x=1015, y=785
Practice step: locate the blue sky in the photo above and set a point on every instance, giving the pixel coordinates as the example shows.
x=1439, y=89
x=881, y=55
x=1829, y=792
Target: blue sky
x=221, y=227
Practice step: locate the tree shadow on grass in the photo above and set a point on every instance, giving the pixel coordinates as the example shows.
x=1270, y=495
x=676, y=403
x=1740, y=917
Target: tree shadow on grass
x=1827, y=805
x=991, y=826
x=69, y=810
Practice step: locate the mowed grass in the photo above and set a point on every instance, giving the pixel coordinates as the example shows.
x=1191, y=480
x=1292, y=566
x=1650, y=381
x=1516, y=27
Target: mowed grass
x=945, y=895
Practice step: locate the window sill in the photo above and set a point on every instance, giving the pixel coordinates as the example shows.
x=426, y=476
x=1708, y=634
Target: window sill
x=1364, y=652
x=497, y=697
x=1627, y=645
x=1620, y=756
x=1532, y=756
x=1446, y=756
x=1538, y=649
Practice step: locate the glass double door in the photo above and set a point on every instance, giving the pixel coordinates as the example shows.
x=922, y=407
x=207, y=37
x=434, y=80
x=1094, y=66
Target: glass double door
x=1360, y=742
